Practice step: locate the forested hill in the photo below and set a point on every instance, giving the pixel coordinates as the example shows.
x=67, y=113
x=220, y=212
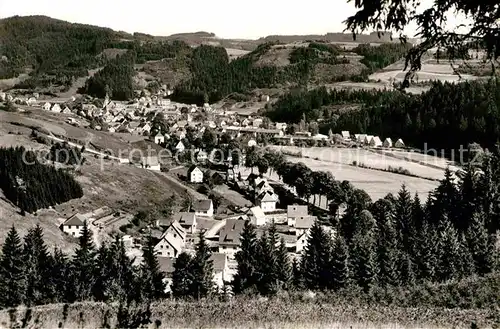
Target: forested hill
x=45, y=44
x=445, y=117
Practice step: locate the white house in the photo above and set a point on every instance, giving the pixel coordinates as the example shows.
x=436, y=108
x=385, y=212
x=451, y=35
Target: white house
x=376, y=142
x=361, y=138
x=345, y=135
x=170, y=245
x=399, y=143
x=180, y=147
x=66, y=110
x=294, y=212
x=301, y=242
x=203, y=208
x=187, y=220
x=387, y=142
x=252, y=142
x=73, y=225
x=368, y=139
x=56, y=108
x=159, y=138
x=264, y=98
x=46, y=106
x=257, y=216
x=267, y=201
x=195, y=175
x=151, y=163
x=303, y=224
x=281, y=126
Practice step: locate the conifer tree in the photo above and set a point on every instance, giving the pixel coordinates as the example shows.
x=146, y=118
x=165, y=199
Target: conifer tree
x=246, y=274
x=426, y=252
x=387, y=252
x=480, y=245
x=124, y=285
x=339, y=263
x=363, y=252
x=267, y=263
x=101, y=289
x=315, y=267
x=406, y=269
x=59, y=273
x=38, y=262
x=418, y=213
x=297, y=275
x=182, y=277
x=12, y=275
x=465, y=261
x=448, y=254
x=404, y=219
x=203, y=271
x=83, y=266
x=283, y=266
x=446, y=199
x=469, y=202
x=151, y=278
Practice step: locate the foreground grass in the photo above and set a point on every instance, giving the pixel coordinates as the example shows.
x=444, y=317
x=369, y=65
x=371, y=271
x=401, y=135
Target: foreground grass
x=244, y=313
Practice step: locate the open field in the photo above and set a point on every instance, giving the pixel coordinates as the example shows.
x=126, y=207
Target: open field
x=417, y=164
x=249, y=314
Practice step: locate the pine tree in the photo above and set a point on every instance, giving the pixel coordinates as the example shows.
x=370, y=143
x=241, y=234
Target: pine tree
x=446, y=199
x=469, y=202
x=297, y=275
x=406, y=269
x=315, y=267
x=465, y=261
x=182, y=277
x=363, y=258
x=59, y=274
x=151, y=278
x=124, y=286
x=283, y=266
x=83, y=266
x=38, y=262
x=448, y=265
x=480, y=245
x=103, y=280
x=246, y=277
x=404, y=219
x=387, y=252
x=339, y=264
x=267, y=279
x=426, y=252
x=203, y=271
x=12, y=277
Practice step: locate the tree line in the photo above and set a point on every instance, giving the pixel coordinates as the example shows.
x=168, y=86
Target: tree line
x=31, y=185
x=468, y=111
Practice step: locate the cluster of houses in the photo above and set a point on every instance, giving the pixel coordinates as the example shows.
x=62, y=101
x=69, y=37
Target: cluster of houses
x=372, y=141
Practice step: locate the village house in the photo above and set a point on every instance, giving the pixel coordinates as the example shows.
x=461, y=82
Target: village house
x=151, y=163
x=257, y=216
x=303, y=224
x=281, y=126
x=361, y=138
x=368, y=139
x=294, y=212
x=144, y=127
x=180, y=147
x=251, y=142
x=346, y=136
x=46, y=106
x=203, y=208
x=171, y=242
x=267, y=201
x=376, y=142
x=229, y=236
x=399, y=143
x=222, y=273
x=301, y=242
x=159, y=138
x=195, y=175
x=387, y=142
x=74, y=225
x=187, y=221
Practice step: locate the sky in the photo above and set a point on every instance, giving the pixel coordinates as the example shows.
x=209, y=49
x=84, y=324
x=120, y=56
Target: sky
x=225, y=18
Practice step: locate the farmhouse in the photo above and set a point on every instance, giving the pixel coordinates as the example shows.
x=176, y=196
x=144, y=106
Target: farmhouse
x=368, y=139
x=203, y=208
x=399, y=143
x=180, y=147
x=172, y=241
x=301, y=242
x=303, y=224
x=187, y=220
x=257, y=216
x=294, y=212
x=46, y=106
x=360, y=138
x=73, y=226
x=195, y=175
x=267, y=201
x=345, y=135
x=387, y=142
x=376, y=142
x=229, y=236
x=159, y=138
x=151, y=163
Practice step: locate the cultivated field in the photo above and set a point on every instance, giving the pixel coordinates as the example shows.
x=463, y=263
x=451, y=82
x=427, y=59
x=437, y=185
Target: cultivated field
x=375, y=182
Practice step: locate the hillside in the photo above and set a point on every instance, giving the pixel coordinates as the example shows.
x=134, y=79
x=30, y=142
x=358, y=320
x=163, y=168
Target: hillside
x=55, y=54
